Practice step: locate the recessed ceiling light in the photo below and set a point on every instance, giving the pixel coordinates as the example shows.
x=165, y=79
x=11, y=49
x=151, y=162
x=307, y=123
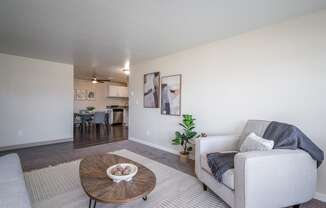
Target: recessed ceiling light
x=127, y=65
x=126, y=71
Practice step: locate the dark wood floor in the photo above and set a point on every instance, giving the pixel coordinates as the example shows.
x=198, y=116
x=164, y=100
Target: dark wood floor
x=44, y=156
x=98, y=134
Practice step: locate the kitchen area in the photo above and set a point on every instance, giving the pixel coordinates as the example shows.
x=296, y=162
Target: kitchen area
x=100, y=112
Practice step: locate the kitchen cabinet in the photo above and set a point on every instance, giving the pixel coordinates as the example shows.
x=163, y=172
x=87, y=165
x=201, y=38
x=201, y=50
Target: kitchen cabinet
x=117, y=91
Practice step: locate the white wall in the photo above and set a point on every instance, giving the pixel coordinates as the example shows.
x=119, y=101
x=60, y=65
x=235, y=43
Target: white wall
x=36, y=100
x=101, y=100
x=275, y=73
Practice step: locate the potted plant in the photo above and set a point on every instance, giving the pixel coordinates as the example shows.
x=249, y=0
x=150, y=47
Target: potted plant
x=90, y=109
x=185, y=138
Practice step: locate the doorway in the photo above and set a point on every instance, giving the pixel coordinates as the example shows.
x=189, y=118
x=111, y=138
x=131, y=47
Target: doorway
x=99, y=117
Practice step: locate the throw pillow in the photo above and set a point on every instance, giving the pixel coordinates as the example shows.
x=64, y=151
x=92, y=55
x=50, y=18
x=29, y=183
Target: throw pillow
x=256, y=143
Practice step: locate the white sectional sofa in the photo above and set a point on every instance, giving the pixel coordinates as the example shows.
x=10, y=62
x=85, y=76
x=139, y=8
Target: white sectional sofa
x=13, y=192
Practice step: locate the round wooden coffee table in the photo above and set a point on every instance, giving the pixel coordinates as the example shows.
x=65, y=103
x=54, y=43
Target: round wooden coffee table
x=100, y=188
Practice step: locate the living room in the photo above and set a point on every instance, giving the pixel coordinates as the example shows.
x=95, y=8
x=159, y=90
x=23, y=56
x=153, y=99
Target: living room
x=226, y=104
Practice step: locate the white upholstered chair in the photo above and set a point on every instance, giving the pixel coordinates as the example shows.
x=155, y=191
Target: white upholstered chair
x=260, y=179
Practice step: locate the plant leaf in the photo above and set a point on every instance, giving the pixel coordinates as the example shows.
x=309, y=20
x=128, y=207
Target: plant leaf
x=176, y=141
x=177, y=134
x=189, y=149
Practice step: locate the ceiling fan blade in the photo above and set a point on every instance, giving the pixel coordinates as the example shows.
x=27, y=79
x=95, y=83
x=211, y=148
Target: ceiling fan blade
x=104, y=80
x=111, y=80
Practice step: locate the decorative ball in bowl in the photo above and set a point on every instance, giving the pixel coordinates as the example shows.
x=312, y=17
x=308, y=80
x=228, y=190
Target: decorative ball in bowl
x=122, y=172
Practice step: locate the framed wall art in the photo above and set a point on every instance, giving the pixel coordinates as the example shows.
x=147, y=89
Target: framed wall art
x=80, y=94
x=91, y=95
x=171, y=95
x=152, y=90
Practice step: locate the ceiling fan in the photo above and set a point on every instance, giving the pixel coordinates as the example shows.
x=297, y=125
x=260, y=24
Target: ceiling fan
x=94, y=80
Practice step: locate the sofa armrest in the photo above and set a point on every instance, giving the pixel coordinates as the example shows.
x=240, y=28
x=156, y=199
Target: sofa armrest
x=205, y=145
x=276, y=178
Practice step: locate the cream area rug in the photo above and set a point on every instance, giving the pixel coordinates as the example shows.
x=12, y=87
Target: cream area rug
x=59, y=187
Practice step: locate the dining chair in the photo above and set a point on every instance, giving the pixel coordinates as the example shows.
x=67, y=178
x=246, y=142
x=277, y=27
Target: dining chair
x=86, y=117
x=100, y=118
x=77, y=120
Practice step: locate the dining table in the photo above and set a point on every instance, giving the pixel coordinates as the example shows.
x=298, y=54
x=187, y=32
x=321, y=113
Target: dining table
x=86, y=117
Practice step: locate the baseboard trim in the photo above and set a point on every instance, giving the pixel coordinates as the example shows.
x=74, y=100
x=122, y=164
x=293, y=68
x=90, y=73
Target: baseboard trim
x=320, y=196
x=34, y=144
x=157, y=146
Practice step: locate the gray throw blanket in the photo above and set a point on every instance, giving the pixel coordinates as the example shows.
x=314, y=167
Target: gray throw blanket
x=285, y=136
x=219, y=163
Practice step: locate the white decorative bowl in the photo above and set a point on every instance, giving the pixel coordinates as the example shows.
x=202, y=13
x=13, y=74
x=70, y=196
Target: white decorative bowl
x=117, y=179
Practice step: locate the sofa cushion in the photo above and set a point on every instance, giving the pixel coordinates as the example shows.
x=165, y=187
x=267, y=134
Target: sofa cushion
x=227, y=177
x=13, y=192
x=10, y=168
x=256, y=126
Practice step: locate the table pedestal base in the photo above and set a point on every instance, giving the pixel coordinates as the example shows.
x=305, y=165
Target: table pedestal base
x=90, y=203
x=93, y=202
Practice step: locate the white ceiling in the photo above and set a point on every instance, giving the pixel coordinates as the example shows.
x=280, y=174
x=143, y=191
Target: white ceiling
x=100, y=35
